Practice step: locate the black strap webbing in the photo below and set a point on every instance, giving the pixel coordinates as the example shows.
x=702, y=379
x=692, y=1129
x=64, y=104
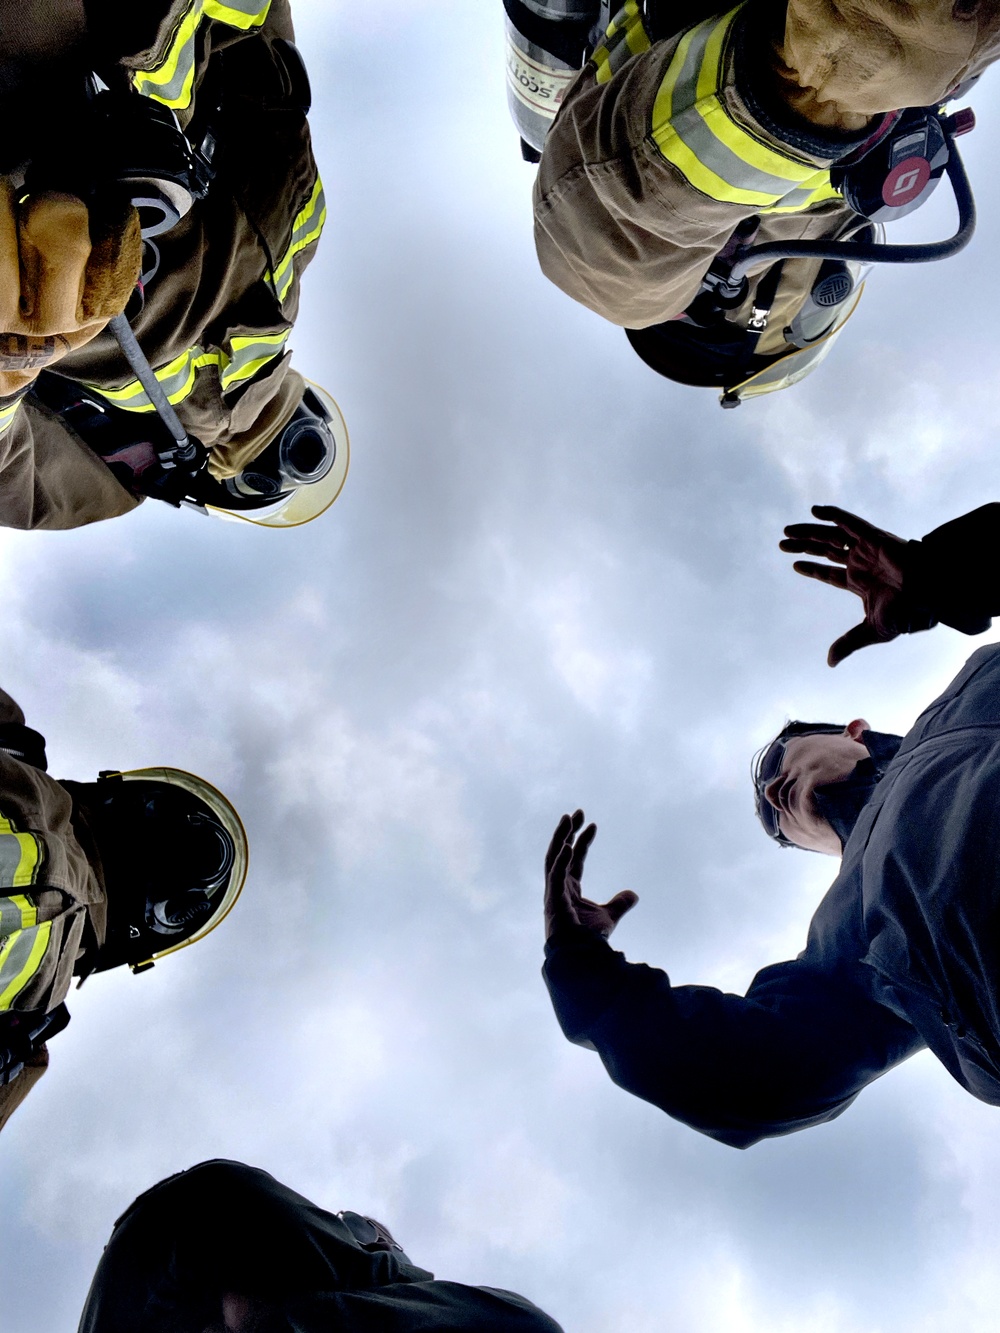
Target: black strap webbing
x=763, y=300
x=22, y=1036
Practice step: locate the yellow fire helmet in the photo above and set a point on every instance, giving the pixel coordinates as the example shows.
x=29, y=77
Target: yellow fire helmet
x=795, y=364
x=300, y=473
x=175, y=856
x=723, y=355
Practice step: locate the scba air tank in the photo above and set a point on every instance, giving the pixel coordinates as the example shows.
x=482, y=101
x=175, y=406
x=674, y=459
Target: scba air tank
x=547, y=43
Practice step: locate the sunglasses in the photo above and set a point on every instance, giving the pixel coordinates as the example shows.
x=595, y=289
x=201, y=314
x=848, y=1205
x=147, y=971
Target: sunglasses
x=767, y=770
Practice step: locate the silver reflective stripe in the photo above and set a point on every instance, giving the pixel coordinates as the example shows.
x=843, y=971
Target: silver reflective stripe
x=306, y=229
x=713, y=149
x=13, y=916
x=251, y=354
x=708, y=147
x=626, y=37
x=10, y=859
x=20, y=956
x=179, y=377
x=173, y=81
x=7, y=415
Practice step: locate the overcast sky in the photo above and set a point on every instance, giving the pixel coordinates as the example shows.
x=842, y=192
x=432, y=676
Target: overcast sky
x=552, y=580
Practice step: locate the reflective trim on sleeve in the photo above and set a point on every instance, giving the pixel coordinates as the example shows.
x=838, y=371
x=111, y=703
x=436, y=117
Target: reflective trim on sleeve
x=172, y=82
x=251, y=354
x=7, y=415
x=695, y=131
x=17, y=913
x=179, y=377
x=21, y=857
x=21, y=955
x=306, y=229
x=626, y=37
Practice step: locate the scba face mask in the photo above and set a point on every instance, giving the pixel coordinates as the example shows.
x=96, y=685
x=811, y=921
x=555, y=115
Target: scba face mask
x=300, y=473
x=303, y=453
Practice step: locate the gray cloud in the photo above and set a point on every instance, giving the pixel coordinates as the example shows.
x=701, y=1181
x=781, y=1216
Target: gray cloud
x=551, y=579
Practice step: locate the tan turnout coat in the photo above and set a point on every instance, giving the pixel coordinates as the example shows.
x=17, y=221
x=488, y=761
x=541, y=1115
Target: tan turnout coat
x=52, y=898
x=622, y=230
x=218, y=314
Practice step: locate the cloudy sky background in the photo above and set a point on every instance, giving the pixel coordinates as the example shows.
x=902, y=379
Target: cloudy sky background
x=551, y=580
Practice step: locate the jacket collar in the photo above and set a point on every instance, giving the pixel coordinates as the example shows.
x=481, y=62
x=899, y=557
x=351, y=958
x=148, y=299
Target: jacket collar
x=840, y=803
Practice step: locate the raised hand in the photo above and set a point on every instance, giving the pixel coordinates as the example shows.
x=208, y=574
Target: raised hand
x=564, y=900
x=866, y=561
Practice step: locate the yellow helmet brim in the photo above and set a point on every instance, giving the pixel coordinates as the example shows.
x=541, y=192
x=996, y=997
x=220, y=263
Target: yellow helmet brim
x=799, y=362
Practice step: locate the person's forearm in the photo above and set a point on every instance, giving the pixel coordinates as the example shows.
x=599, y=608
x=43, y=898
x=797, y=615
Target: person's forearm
x=955, y=570
x=794, y=1052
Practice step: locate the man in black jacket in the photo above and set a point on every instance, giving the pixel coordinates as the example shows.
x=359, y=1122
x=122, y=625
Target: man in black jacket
x=903, y=951
x=226, y=1248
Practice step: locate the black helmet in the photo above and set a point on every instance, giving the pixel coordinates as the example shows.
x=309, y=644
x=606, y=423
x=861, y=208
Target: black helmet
x=174, y=856
x=702, y=357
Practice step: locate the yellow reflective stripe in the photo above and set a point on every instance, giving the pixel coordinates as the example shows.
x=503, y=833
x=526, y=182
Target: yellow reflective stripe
x=250, y=354
x=625, y=37
x=7, y=415
x=178, y=378
x=818, y=196
x=21, y=955
x=306, y=229
x=172, y=82
x=17, y=913
x=735, y=138
x=692, y=128
x=21, y=856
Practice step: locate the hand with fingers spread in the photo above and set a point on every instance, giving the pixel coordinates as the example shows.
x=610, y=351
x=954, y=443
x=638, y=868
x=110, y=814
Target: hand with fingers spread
x=564, y=901
x=864, y=560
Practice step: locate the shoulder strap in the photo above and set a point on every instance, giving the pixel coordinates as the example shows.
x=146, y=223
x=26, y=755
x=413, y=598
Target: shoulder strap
x=763, y=300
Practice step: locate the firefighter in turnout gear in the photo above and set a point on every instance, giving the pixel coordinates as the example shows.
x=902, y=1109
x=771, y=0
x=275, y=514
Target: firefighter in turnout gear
x=203, y=107
x=95, y=875
x=694, y=132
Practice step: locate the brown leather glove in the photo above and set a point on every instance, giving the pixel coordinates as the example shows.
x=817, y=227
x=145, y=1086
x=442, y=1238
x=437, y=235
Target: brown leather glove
x=64, y=272
x=843, y=62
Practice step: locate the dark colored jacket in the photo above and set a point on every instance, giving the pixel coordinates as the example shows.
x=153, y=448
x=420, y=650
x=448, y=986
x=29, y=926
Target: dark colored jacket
x=217, y=316
x=225, y=1227
x=951, y=575
x=902, y=952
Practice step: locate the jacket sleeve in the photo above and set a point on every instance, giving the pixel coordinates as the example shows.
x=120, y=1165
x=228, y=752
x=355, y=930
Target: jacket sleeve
x=17, y=739
x=637, y=191
x=218, y=318
x=793, y=1052
x=13, y=1094
x=49, y=479
x=953, y=571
